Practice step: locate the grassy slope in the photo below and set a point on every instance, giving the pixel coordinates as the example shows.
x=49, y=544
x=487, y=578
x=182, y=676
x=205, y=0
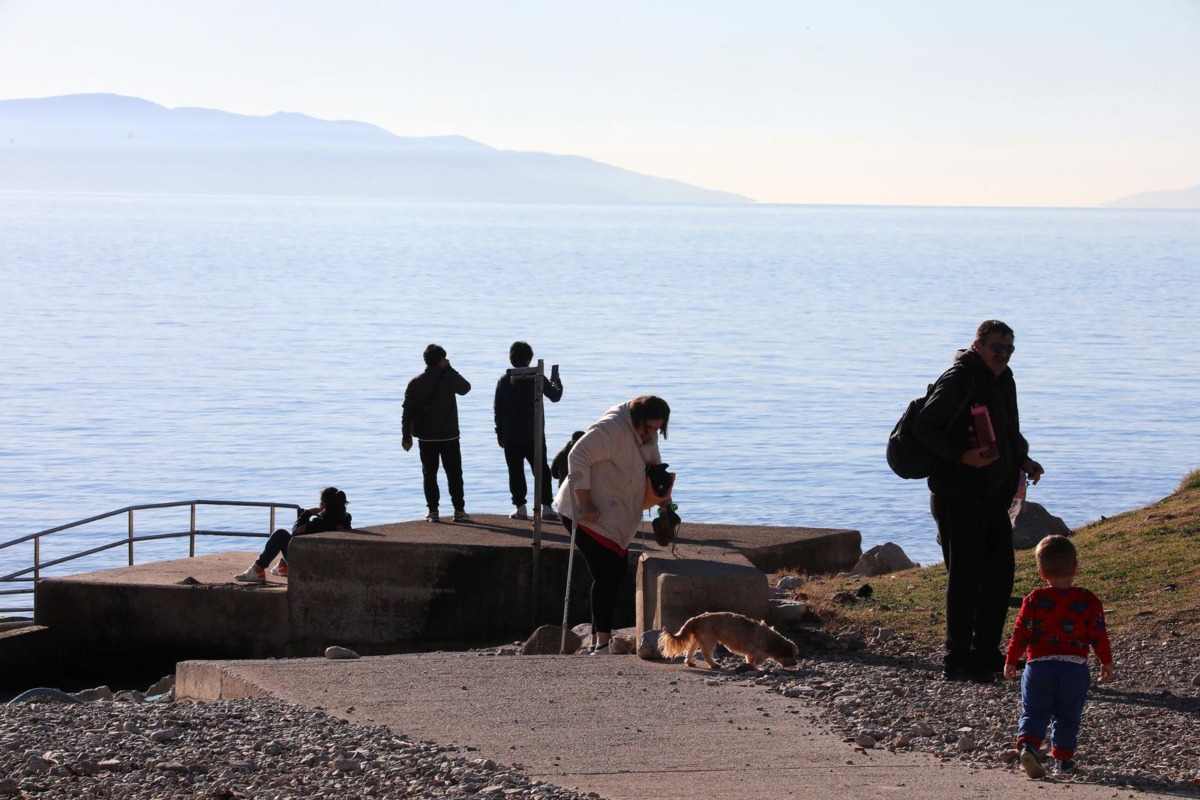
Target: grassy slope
x=1144, y=565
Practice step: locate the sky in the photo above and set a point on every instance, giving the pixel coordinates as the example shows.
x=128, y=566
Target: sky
x=873, y=102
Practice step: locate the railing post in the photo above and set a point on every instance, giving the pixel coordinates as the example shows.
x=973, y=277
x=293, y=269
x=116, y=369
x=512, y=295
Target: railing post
x=271, y=524
x=192, y=535
x=131, y=537
x=37, y=559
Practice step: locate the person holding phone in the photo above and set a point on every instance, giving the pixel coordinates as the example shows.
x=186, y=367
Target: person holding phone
x=431, y=415
x=513, y=409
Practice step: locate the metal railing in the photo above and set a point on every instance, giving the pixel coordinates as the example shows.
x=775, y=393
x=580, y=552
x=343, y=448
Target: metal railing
x=32, y=574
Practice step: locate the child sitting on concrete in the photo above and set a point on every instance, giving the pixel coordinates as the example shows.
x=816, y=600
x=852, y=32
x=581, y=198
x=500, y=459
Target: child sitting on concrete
x=1054, y=630
x=330, y=516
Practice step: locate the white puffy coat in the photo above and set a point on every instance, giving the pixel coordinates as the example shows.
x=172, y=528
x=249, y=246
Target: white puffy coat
x=610, y=460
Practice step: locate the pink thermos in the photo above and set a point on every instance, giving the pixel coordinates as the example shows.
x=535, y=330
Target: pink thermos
x=984, y=430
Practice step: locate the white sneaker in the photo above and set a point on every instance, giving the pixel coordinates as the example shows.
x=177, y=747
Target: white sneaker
x=602, y=650
x=253, y=574
x=549, y=514
x=521, y=513
x=280, y=569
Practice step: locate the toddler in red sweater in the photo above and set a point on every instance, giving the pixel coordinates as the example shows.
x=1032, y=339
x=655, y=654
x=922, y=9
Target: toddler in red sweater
x=1055, y=628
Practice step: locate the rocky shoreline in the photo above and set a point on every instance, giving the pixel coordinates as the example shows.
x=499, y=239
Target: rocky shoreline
x=1139, y=732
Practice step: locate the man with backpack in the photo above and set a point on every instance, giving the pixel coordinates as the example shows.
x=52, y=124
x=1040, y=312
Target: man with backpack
x=969, y=422
x=431, y=414
x=514, y=411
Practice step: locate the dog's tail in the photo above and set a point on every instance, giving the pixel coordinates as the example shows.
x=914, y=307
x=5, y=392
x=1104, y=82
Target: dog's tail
x=675, y=644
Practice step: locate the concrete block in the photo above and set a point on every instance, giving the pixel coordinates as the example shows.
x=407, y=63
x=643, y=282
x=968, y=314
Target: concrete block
x=816, y=551
x=186, y=621
x=28, y=658
x=375, y=593
x=672, y=590
x=207, y=680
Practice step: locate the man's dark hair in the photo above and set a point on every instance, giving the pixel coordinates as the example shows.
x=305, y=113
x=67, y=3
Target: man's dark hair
x=650, y=407
x=992, y=326
x=520, y=354
x=434, y=354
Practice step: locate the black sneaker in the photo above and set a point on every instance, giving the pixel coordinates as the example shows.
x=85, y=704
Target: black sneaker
x=1030, y=761
x=462, y=516
x=1064, y=766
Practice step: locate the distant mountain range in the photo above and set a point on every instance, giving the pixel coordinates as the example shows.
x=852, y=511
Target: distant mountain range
x=111, y=143
x=1178, y=198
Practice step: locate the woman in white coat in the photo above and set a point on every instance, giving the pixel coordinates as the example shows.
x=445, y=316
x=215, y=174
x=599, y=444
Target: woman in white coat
x=606, y=487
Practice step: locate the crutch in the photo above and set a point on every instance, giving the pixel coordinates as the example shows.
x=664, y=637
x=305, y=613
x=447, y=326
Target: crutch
x=562, y=646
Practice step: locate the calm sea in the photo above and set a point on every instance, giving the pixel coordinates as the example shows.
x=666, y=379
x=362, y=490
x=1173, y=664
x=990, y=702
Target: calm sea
x=175, y=348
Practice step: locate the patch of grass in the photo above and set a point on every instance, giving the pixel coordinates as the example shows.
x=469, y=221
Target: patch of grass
x=1143, y=564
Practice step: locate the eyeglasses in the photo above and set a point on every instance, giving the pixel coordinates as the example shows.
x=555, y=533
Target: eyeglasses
x=1002, y=348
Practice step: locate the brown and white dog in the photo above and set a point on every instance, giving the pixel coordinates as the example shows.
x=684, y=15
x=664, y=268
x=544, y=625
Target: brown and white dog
x=755, y=640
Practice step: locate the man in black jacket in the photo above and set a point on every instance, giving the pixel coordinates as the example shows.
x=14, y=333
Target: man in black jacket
x=431, y=414
x=972, y=490
x=514, y=430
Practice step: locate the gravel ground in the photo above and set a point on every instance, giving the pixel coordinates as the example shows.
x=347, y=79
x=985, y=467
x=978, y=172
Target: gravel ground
x=1140, y=730
x=262, y=749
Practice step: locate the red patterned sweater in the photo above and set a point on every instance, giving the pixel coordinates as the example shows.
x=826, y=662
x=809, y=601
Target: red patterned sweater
x=1059, y=622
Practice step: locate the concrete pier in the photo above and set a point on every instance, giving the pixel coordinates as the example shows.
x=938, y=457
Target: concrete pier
x=391, y=588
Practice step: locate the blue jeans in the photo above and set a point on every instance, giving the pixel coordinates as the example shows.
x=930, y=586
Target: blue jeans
x=1053, y=691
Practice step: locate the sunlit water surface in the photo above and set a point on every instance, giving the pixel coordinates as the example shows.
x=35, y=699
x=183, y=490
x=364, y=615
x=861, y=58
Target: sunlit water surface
x=174, y=348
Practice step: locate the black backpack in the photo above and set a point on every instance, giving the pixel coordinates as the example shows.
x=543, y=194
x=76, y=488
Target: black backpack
x=907, y=457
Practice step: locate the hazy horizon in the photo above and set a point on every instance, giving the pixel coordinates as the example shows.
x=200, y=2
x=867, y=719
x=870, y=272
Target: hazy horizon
x=925, y=103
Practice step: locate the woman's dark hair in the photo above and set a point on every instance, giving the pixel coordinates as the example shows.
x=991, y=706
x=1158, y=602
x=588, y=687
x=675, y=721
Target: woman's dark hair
x=334, y=501
x=650, y=407
x=434, y=354
x=520, y=354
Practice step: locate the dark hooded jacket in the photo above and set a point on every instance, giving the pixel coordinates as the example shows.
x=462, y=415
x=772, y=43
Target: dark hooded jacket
x=944, y=426
x=514, y=407
x=431, y=404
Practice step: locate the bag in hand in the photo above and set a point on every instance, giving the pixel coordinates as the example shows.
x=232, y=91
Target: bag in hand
x=659, y=483
x=666, y=526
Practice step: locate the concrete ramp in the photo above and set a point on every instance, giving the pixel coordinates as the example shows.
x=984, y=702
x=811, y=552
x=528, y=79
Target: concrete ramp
x=621, y=727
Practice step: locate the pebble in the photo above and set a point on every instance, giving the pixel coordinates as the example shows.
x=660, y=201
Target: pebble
x=336, y=652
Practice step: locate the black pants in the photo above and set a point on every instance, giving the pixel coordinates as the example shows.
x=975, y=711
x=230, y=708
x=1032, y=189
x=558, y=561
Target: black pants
x=977, y=546
x=277, y=544
x=608, y=570
x=516, y=456
x=451, y=459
